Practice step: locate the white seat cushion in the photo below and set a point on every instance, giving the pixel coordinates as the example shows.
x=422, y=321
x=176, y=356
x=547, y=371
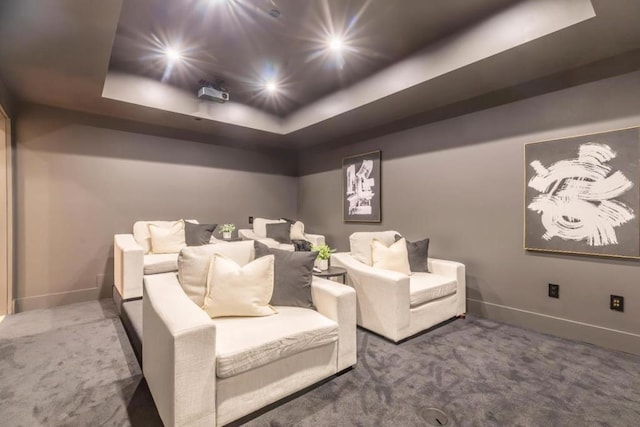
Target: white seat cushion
x=244, y=343
x=425, y=287
x=160, y=263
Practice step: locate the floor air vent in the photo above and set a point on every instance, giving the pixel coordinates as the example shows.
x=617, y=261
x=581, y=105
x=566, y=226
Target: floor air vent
x=434, y=416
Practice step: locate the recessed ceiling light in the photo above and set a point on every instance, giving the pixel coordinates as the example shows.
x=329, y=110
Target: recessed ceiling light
x=173, y=54
x=272, y=87
x=336, y=44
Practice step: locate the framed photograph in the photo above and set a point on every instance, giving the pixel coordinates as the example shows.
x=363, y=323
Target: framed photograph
x=582, y=194
x=361, y=187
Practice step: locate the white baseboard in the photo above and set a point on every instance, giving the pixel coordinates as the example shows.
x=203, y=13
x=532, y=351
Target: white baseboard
x=565, y=328
x=54, y=300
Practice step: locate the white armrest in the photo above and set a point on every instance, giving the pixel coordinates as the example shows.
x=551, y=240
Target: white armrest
x=247, y=234
x=454, y=270
x=338, y=303
x=128, y=266
x=382, y=295
x=178, y=353
x=315, y=239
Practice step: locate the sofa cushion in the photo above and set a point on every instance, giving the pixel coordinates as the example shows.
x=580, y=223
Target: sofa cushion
x=193, y=265
x=260, y=226
x=293, y=275
x=141, y=232
x=360, y=243
x=234, y=290
x=418, y=254
x=198, y=234
x=279, y=232
x=425, y=287
x=160, y=263
x=167, y=240
x=244, y=343
x=394, y=257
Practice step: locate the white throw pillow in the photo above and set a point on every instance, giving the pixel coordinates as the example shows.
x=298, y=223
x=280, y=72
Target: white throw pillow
x=260, y=226
x=143, y=237
x=297, y=231
x=394, y=257
x=360, y=243
x=193, y=265
x=233, y=290
x=167, y=240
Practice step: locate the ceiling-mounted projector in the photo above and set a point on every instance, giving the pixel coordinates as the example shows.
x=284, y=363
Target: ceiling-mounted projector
x=212, y=94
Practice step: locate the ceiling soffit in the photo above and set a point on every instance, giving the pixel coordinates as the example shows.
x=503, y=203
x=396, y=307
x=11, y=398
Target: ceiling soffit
x=521, y=24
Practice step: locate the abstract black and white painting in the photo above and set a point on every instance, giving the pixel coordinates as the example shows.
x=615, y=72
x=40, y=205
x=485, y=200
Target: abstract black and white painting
x=361, y=183
x=582, y=195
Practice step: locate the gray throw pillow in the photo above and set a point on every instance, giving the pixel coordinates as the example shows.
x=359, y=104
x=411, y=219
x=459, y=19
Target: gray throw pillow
x=418, y=254
x=198, y=234
x=293, y=275
x=280, y=232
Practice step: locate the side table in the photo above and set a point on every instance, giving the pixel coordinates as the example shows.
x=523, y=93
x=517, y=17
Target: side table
x=333, y=272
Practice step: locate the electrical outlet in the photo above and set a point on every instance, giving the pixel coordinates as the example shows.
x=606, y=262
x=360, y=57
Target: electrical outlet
x=616, y=303
x=250, y=220
x=554, y=290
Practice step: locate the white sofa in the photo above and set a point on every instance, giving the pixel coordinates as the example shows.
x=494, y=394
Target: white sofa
x=133, y=259
x=259, y=233
x=208, y=372
x=397, y=305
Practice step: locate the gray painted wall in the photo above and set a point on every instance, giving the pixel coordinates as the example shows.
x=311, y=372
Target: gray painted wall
x=80, y=179
x=460, y=182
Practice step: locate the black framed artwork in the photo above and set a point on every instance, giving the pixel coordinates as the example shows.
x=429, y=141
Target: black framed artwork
x=361, y=183
x=582, y=194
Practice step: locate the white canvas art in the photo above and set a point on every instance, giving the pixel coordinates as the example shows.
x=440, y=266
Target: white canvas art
x=360, y=188
x=361, y=179
x=587, y=202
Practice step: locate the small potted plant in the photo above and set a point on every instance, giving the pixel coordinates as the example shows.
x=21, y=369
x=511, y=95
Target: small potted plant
x=324, y=254
x=226, y=230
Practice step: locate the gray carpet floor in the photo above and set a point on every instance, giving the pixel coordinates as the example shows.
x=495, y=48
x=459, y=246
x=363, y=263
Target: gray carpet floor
x=73, y=366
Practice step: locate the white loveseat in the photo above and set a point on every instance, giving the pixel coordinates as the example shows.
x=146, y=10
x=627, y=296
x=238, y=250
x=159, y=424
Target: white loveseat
x=397, y=305
x=133, y=259
x=259, y=233
x=208, y=372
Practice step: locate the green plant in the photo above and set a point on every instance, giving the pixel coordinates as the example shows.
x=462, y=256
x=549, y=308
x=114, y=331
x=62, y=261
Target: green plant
x=324, y=251
x=227, y=228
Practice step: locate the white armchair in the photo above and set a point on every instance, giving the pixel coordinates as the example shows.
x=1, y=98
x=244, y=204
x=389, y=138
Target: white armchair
x=259, y=233
x=133, y=259
x=188, y=358
x=396, y=305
